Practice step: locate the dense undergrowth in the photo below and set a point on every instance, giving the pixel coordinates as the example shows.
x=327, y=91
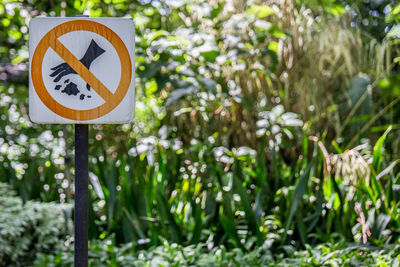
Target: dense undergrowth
x=27, y=229
x=264, y=130
x=340, y=253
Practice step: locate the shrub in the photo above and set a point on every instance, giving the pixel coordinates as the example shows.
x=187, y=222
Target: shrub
x=106, y=253
x=28, y=228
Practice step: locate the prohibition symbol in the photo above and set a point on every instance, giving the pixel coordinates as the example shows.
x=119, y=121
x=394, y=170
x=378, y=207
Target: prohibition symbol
x=111, y=100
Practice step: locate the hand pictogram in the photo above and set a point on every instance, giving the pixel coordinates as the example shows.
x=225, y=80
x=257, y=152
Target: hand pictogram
x=93, y=51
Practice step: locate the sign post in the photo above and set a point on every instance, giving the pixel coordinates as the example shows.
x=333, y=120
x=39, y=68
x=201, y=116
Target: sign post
x=81, y=72
x=81, y=195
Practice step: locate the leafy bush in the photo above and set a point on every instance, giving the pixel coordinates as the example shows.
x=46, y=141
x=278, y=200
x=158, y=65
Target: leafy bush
x=30, y=228
x=106, y=253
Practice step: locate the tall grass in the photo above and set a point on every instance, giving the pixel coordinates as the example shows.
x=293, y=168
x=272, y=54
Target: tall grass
x=155, y=189
x=157, y=192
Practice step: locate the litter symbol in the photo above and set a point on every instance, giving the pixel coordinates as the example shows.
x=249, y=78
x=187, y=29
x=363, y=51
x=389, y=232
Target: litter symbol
x=93, y=51
x=63, y=69
x=81, y=67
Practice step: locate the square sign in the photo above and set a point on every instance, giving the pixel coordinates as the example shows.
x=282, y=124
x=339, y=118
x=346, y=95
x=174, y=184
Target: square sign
x=81, y=70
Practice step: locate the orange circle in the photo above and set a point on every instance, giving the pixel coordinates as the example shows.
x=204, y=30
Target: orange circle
x=50, y=39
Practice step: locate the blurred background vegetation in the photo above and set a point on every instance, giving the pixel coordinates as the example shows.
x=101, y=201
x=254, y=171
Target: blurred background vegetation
x=262, y=127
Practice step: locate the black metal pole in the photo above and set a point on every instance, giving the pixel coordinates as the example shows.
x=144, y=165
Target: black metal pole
x=81, y=195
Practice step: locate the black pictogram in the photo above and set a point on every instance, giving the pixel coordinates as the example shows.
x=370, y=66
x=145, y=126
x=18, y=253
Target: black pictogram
x=63, y=69
x=71, y=89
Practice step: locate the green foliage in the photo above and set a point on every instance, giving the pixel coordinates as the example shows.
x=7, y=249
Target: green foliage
x=247, y=119
x=29, y=228
x=106, y=253
x=225, y=196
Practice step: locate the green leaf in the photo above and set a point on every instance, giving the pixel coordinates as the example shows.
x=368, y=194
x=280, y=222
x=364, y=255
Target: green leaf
x=260, y=11
x=198, y=223
x=246, y=202
x=273, y=46
x=216, y=11
x=210, y=55
x=276, y=32
x=297, y=196
x=166, y=216
x=378, y=149
x=390, y=85
x=301, y=228
x=230, y=229
x=335, y=9
x=134, y=221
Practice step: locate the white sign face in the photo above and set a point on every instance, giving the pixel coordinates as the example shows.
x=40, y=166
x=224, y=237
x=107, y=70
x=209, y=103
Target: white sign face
x=81, y=70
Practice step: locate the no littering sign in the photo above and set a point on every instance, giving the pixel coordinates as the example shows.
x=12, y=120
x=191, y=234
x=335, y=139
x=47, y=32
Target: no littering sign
x=81, y=70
